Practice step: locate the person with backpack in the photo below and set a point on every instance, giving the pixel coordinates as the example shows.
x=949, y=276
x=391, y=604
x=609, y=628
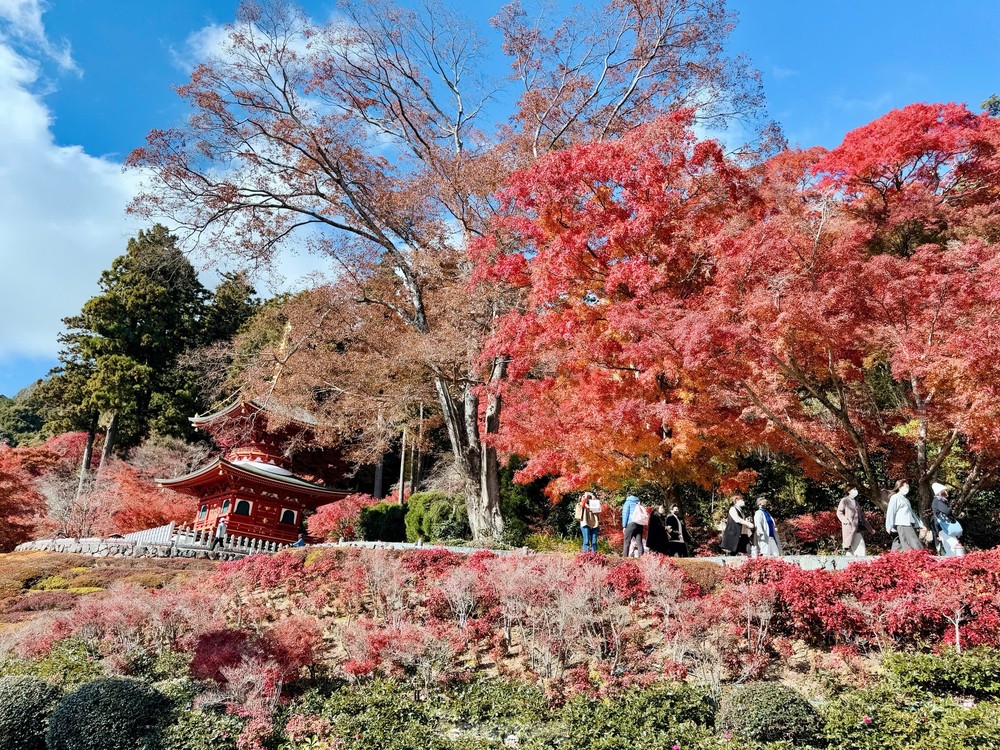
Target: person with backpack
x=634, y=519
x=948, y=529
x=587, y=513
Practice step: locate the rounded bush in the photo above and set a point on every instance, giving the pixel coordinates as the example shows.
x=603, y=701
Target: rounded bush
x=111, y=713
x=768, y=712
x=25, y=706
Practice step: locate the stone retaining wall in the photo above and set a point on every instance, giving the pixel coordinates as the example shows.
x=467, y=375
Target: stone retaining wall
x=124, y=548
x=97, y=547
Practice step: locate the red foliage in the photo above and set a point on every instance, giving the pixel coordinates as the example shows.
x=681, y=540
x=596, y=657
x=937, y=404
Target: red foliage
x=816, y=528
x=339, y=520
x=131, y=502
x=221, y=649
x=294, y=643
x=628, y=582
x=20, y=504
x=433, y=562
x=679, y=307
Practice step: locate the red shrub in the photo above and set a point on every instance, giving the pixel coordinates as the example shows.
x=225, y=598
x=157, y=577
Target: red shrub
x=294, y=643
x=219, y=650
x=432, y=562
x=339, y=520
x=628, y=582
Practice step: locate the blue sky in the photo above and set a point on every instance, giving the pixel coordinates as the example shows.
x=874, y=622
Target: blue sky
x=81, y=83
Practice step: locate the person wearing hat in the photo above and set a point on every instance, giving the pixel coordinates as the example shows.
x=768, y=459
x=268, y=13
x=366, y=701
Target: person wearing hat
x=852, y=524
x=947, y=527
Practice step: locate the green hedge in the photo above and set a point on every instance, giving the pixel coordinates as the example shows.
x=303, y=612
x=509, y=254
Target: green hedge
x=25, y=705
x=975, y=672
x=112, y=713
x=768, y=712
x=383, y=523
x=202, y=730
x=432, y=516
x=888, y=717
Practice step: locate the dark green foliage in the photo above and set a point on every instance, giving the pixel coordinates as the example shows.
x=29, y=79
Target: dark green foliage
x=381, y=715
x=202, y=730
x=120, y=355
x=384, y=714
x=975, y=672
x=768, y=712
x=111, y=713
x=434, y=515
x=25, y=705
x=20, y=421
x=888, y=717
x=526, y=509
x=992, y=106
x=384, y=522
x=499, y=705
x=633, y=717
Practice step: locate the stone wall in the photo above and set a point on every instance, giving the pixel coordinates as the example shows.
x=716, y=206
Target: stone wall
x=98, y=547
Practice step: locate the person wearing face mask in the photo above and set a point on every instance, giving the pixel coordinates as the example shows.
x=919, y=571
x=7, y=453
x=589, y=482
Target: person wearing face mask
x=736, y=536
x=901, y=520
x=852, y=524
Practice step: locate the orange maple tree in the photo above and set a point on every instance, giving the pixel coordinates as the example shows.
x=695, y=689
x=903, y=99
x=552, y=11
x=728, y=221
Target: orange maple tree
x=680, y=308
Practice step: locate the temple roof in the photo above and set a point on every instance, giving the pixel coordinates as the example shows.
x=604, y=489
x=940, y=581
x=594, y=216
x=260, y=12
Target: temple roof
x=270, y=475
x=240, y=406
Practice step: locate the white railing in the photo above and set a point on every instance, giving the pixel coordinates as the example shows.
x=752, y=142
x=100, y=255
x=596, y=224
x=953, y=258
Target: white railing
x=205, y=540
x=159, y=535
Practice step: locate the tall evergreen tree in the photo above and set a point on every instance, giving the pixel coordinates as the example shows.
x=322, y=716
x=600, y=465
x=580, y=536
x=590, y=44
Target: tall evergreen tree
x=119, y=355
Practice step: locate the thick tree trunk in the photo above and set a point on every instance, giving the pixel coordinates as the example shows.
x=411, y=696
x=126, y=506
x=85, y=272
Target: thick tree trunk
x=109, y=441
x=475, y=459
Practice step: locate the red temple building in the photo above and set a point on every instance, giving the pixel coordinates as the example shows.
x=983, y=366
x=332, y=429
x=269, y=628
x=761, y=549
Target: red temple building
x=252, y=484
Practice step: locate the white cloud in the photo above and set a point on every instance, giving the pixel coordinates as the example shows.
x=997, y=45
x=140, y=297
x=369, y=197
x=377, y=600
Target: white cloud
x=62, y=215
x=22, y=24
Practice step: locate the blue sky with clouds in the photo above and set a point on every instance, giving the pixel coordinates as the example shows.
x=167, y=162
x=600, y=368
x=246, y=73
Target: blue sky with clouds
x=81, y=83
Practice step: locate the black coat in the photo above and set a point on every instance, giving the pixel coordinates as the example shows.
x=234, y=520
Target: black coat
x=731, y=536
x=657, y=536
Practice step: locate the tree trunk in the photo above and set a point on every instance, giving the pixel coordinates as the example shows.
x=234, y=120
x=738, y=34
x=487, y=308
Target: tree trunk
x=475, y=460
x=88, y=455
x=379, y=473
x=109, y=441
x=402, y=468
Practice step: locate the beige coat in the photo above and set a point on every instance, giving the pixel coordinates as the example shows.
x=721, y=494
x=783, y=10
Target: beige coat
x=586, y=516
x=849, y=513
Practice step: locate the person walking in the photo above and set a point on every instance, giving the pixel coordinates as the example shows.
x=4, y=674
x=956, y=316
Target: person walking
x=587, y=511
x=736, y=535
x=765, y=531
x=220, y=535
x=657, y=535
x=634, y=518
x=900, y=519
x=677, y=536
x=948, y=529
x=852, y=524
